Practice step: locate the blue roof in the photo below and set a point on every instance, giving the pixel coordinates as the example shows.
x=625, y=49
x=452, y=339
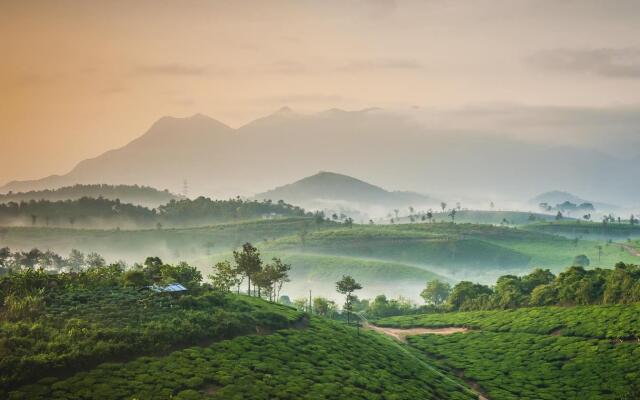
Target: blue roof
x=174, y=287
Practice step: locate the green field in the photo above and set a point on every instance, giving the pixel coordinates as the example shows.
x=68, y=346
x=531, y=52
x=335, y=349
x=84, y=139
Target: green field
x=589, y=230
x=169, y=244
x=456, y=248
x=586, y=352
x=493, y=217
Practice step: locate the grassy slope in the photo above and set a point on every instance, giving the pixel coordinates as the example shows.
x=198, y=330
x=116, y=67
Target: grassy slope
x=595, y=230
x=169, y=244
x=493, y=217
x=326, y=360
x=455, y=246
x=539, y=353
x=80, y=328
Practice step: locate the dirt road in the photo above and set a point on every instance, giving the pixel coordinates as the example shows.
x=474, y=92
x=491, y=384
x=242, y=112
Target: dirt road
x=401, y=334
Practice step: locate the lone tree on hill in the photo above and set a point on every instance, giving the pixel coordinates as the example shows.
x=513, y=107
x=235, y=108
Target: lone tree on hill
x=347, y=285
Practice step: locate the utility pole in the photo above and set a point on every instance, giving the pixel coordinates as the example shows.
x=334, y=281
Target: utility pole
x=185, y=189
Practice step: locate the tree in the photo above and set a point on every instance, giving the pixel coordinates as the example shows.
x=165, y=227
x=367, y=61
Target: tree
x=436, y=292
x=225, y=277
x=466, y=291
x=430, y=215
x=443, y=205
x=452, y=215
x=248, y=263
x=281, y=275
x=347, y=285
x=95, y=260
x=324, y=307
x=5, y=253
x=581, y=260
x=599, y=248
x=75, y=260
x=559, y=216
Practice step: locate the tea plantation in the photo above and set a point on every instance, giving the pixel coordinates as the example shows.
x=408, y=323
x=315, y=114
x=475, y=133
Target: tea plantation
x=80, y=328
x=589, y=352
x=325, y=360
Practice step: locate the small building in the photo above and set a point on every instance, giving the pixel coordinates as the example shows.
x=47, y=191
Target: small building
x=171, y=288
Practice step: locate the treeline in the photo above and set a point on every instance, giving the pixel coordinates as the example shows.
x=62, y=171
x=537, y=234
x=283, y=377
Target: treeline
x=134, y=194
x=263, y=280
x=202, y=209
x=102, y=212
x=23, y=273
x=575, y=286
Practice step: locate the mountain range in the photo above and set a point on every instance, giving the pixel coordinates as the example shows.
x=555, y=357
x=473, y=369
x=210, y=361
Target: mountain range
x=391, y=149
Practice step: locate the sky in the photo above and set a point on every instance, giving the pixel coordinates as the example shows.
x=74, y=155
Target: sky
x=78, y=78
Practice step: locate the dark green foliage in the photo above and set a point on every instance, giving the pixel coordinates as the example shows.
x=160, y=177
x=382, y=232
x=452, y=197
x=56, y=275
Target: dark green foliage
x=102, y=212
x=70, y=213
x=86, y=320
x=203, y=211
x=613, y=322
x=575, y=286
x=324, y=361
x=583, y=352
x=528, y=366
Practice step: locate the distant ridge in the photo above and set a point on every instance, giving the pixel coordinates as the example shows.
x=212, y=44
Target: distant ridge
x=329, y=187
x=555, y=197
x=133, y=194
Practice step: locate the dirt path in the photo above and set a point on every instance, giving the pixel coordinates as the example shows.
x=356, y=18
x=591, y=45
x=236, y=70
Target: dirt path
x=401, y=334
x=631, y=250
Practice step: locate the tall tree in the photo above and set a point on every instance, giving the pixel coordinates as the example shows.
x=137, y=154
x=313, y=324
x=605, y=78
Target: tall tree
x=248, y=263
x=436, y=292
x=224, y=277
x=347, y=285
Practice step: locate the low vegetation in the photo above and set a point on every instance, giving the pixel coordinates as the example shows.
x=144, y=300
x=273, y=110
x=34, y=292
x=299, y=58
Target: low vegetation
x=538, y=353
x=55, y=323
x=326, y=360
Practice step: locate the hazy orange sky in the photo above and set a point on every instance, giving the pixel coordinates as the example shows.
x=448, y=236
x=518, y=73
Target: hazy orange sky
x=81, y=77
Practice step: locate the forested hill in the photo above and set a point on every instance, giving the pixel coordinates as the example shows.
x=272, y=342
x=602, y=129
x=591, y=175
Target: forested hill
x=105, y=213
x=134, y=194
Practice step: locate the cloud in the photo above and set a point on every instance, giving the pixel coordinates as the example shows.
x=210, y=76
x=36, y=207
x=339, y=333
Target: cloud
x=381, y=64
x=173, y=69
x=607, y=62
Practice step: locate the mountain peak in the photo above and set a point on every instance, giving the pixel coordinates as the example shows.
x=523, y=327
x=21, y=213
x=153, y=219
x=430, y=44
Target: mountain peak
x=327, y=187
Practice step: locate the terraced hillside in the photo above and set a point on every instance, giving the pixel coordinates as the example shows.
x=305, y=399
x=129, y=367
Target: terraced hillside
x=586, y=352
x=86, y=336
